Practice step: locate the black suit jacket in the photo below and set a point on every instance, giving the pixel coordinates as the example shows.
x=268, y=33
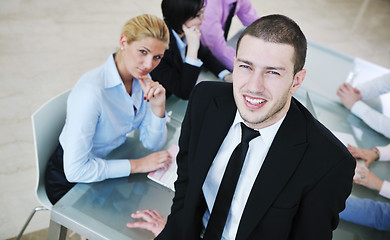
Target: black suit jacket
x=179, y=78
x=299, y=191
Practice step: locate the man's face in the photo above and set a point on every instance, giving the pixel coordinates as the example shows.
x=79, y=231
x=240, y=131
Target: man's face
x=263, y=81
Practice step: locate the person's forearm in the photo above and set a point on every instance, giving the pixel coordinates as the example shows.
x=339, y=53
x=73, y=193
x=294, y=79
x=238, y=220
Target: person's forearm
x=152, y=131
x=192, y=53
x=216, y=43
x=372, y=118
x=159, y=110
x=385, y=189
x=375, y=87
x=384, y=152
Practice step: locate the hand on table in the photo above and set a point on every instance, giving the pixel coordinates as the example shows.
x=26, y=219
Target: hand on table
x=368, y=179
x=152, y=221
x=151, y=162
x=367, y=155
x=348, y=95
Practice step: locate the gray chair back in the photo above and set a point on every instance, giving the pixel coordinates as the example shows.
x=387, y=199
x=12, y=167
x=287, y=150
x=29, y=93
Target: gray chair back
x=47, y=124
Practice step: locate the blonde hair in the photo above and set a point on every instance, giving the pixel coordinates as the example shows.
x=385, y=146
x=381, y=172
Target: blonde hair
x=146, y=25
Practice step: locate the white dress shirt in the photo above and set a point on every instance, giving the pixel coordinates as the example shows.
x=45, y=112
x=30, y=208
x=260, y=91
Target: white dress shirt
x=258, y=149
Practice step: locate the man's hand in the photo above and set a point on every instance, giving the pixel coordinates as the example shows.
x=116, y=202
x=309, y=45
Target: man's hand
x=153, y=221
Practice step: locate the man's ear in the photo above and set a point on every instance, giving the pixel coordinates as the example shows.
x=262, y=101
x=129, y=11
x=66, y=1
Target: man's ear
x=123, y=41
x=298, y=80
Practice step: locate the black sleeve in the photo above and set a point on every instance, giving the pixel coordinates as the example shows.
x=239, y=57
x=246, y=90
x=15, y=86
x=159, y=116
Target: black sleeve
x=177, y=78
x=210, y=61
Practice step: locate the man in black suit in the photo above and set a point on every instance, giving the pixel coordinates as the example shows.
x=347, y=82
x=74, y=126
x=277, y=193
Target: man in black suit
x=296, y=175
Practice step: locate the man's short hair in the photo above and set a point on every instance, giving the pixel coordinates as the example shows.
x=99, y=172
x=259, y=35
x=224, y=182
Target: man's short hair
x=280, y=29
x=177, y=12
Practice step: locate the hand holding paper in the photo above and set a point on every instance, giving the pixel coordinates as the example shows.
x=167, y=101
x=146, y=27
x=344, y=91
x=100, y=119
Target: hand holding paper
x=167, y=177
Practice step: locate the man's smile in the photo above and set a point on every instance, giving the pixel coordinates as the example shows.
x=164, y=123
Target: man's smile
x=254, y=101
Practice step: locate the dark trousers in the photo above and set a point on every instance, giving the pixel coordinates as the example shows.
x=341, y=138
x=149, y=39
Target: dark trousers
x=56, y=183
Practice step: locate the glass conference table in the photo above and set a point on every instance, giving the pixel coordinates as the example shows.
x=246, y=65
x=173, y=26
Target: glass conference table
x=101, y=210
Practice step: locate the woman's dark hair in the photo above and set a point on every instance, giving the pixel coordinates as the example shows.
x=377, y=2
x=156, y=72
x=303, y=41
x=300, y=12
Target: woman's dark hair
x=177, y=12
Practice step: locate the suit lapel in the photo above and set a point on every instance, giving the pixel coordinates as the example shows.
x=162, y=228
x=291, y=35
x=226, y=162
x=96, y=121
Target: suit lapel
x=279, y=165
x=219, y=117
x=176, y=56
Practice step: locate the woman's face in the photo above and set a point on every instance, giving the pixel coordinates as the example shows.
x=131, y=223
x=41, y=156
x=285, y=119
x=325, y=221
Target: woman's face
x=141, y=57
x=197, y=20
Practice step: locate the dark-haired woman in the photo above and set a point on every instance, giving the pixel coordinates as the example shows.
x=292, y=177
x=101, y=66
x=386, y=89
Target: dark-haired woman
x=182, y=62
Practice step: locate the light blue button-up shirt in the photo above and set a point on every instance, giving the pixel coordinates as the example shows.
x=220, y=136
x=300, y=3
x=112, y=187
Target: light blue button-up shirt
x=100, y=113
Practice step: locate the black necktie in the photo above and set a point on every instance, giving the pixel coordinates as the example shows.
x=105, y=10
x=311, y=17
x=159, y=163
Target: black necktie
x=226, y=190
x=229, y=20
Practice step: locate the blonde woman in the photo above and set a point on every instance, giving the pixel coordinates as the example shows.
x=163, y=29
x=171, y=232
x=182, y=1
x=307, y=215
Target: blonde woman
x=109, y=102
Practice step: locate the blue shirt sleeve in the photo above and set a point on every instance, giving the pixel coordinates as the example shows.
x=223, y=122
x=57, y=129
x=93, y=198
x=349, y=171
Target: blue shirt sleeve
x=83, y=115
x=100, y=113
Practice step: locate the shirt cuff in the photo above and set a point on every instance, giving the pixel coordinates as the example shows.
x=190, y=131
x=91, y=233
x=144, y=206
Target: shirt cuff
x=196, y=63
x=118, y=168
x=384, y=153
x=359, y=108
x=158, y=123
x=385, y=190
x=223, y=73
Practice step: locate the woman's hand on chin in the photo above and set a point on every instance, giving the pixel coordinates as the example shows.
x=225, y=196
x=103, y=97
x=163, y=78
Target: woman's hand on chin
x=154, y=93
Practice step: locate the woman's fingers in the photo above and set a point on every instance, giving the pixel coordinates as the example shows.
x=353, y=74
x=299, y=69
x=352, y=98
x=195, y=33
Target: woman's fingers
x=151, y=88
x=143, y=82
x=164, y=157
x=360, y=170
x=160, y=159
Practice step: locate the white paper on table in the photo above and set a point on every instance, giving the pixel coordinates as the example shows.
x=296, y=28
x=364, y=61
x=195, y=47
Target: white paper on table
x=345, y=138
x=167, y=177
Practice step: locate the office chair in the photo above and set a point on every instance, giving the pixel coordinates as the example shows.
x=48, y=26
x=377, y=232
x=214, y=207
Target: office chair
x=47, y=124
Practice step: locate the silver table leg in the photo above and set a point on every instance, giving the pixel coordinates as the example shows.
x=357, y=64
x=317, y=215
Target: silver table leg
x=56, y=231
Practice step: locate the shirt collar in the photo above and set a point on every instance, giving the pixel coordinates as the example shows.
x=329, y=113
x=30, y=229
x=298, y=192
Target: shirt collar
x=136, y=93
x=181, y=44
x=112, y=77
x=267, y=133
